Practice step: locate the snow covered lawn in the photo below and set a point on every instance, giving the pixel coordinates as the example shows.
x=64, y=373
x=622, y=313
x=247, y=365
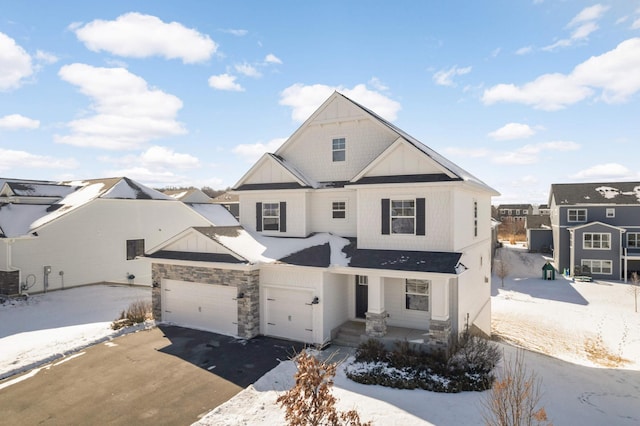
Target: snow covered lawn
x=46, y=326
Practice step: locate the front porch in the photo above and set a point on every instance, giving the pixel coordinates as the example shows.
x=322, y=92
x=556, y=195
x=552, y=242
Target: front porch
x=352, y=333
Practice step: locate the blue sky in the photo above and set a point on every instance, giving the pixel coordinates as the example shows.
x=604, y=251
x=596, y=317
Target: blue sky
x=521, y=94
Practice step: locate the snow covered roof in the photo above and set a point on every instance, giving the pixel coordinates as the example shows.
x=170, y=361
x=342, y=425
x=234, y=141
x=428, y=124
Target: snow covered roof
x=595, y=193
x=28, y=189
x=17, y=219
x=215, y=213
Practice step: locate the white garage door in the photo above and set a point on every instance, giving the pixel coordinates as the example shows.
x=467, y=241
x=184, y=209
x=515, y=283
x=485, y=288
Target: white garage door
x=289, y=314
x=203, y=306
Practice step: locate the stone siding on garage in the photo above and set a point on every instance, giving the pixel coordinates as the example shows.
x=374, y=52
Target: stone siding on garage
x=247, y=283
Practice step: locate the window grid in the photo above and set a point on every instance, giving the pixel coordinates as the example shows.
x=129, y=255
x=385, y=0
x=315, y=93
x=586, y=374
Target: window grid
x=339, y=209
x=363, y=280
x=339, y=149
x=271, y=216
x=403, y=216
x=596, y=241
x=577, y=215
x=633, y=240
x=604, y=267
x=417, y=295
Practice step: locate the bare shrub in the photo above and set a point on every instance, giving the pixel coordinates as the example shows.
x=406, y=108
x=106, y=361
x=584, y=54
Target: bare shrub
x=474, y=354
x=371, y=350
x=635, y=288
x=501, y=267
x=513, y=400
x=310, y=402
x=137, y=312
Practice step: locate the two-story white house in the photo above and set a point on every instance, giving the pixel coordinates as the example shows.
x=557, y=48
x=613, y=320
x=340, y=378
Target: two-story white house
x=351, y=219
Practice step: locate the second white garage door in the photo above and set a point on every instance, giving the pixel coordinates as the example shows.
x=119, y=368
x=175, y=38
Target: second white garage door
x=203, y=306
x=289, y=314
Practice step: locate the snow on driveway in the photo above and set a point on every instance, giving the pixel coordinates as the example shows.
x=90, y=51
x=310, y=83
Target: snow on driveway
x=46, y=326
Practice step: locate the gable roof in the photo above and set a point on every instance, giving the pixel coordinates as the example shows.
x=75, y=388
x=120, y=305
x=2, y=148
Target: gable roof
x=538, y=221
x=299, y=180
x=596, y=223
x=621, y=193
x=17, y=219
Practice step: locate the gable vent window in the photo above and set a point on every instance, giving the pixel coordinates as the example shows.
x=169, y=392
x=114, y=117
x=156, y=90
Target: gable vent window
x=611, y=212
x=135, y=248
x=339, y=209
x=271, y=216
x=339, y=149
x=475, y=218
x=403, y=216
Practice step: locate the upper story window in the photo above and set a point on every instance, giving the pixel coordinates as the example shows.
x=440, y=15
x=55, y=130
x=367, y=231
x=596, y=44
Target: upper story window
x=577, y=215
x=135, y=248
x=611, y=212
x=403, y=216
x=417, y=295
x=271, y=216
x=339, y=209
x=633, y=239
x=339, y=149
x=503, y=211
x=475, y=218
x=517, y=212
x=596, y=241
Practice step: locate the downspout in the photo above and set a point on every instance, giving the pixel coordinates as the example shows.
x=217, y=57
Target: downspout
x=9, y=259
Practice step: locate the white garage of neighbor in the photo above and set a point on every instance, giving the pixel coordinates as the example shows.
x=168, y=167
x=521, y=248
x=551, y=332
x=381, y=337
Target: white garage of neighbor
x=208, y=307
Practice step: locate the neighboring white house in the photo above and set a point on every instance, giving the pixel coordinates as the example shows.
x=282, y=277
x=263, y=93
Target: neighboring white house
x=192, y=195
x=60, y=235
x=350, y=219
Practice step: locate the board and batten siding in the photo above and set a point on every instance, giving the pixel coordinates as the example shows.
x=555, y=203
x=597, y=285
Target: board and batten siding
x=296, y=211
x=438, y=218
x=197, y=243
x=365, y=140
x=269, y=171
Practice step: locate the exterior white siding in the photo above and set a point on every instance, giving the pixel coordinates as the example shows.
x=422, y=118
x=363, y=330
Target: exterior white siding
x=269, y=172
x=297, y=222
x=463, y=232
x=4, y=254
x=365, y=140
x=196, y=243
x=88, y=245
x=321, y=217
x=334, y=302
x=404, y=159
x=438, y=211
x=394, y=299
x=474, y=289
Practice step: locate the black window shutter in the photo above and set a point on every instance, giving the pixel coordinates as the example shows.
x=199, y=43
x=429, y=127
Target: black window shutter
x=283, y=216
x=420, y=216
x=385, y=216
x=258, y=217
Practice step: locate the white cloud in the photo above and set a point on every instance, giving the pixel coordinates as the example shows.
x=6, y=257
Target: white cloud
x=248, y=70
x=159, y=156
x=17, y=121
x=615, y=73
x=46, y=57
x=524, y=50
x=512, y=131
x=12, y=159
x=445, y=77
x=608, y=171
x=127, y=112
x=272, y=59
x=140, y=36
x=377, y=84
x=530, y=154
x=151, y=178
x=495, y=52
x=636, y=24
x=304, y=100
x=225, y=82
x=236, y=32
x=582, y=25
x=252, y=152
x=15, y=64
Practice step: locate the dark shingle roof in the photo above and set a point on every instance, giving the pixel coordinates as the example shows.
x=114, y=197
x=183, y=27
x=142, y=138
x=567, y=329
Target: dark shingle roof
x=537, y=221
x=319, y=256
x=199, y=257
x=435, y=177
x=595, y=193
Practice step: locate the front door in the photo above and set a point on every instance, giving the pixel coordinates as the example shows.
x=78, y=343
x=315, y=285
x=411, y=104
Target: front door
x=362, y=296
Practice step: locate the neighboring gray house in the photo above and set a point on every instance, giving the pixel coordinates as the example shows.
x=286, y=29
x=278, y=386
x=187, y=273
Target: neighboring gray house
x=509, y=213
x=596, y=228
x=539, y=235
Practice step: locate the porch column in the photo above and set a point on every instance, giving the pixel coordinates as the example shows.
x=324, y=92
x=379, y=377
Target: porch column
x=440, y=323
x=376, y=315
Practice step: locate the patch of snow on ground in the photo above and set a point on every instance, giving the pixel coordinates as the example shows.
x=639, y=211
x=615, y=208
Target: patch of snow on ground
x=46, y=326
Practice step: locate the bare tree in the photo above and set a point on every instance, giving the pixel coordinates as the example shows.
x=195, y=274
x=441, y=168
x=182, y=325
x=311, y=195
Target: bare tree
x=514, y=398
x=501, y=267
x=635, y=288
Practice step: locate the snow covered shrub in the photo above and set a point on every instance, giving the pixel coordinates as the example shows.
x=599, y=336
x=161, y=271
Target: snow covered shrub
x=474, y=354
x=310, y=401
x=137, y=312
x=371, y=350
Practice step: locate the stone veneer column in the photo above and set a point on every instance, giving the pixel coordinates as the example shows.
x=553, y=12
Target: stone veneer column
x=249, y=305
x=440, y=334
x=376, y=325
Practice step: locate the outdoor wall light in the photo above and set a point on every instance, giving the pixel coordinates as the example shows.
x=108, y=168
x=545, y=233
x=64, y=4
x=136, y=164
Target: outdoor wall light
x=240, y=295
x=315, y=301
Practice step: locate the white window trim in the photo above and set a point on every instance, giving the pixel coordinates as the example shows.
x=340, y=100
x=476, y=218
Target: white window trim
x=586, y=217
x=427, y=294
x=590, y=262
x=333, y=150
x=270, y=217
x=363, y=279
x=611, y=212
x=637, y=239
x=346, y=209
x=584, y=242
x=391, y=216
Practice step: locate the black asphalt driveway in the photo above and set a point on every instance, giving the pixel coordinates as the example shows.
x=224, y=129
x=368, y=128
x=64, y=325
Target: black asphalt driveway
x=164, y=376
